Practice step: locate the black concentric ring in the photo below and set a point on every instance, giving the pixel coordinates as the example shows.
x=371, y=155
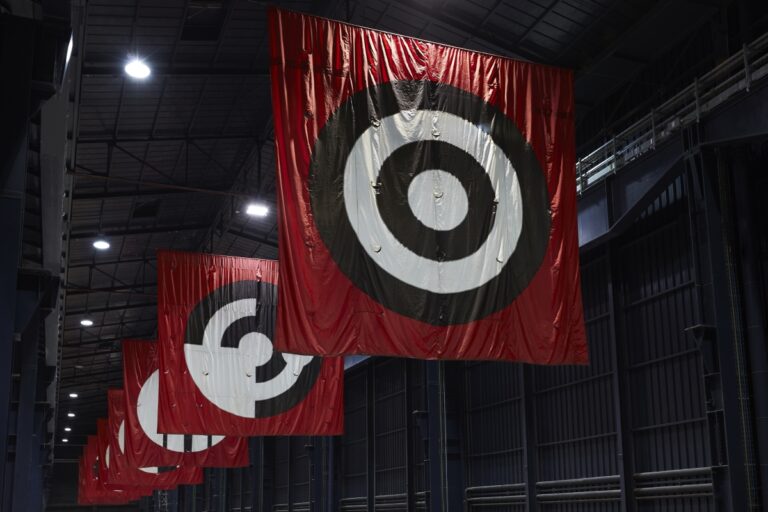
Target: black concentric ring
x=329, y=158
x=398, y=172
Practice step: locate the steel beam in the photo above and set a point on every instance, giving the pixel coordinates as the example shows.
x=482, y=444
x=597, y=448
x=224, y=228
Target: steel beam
x=119, y=194
x=99, y=138
x=136, y=231
x=254, y=238
x=92, y=70
x=77, y=290
x=608, y=208
x=99, y=263
x=71, y=312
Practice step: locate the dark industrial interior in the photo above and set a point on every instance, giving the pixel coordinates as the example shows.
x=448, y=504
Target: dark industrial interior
x=671, y=414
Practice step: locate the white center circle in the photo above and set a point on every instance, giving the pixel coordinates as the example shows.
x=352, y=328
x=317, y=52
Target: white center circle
x=438, y=199
x=257, y=348
x=226, y=375
x=361, y=173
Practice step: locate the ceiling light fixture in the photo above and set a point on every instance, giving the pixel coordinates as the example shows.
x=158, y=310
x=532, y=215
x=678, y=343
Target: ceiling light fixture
x=257, y=210
x=65, y=440
x=67, y=429
x=101, y=245
x=73, y=395
x=136, y=68
x=70, y=415
x=86, y=322
x=69, y=49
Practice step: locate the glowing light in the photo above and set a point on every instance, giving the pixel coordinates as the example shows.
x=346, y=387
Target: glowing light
x=69, y=49
x=70, y=415
x=101, y=245
x=137, y=69
x=67, y=429
x=65, y=440
x=73, y=395
x=86, y=322
x=257, y=210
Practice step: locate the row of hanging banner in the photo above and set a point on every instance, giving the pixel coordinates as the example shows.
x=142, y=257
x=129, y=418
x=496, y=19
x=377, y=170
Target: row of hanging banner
x=427, y=209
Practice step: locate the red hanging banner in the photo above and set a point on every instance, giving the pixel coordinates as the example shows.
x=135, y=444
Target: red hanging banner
x=121, y=472
x=427, y=198
x=91, y=489
x=216, y=317
x=106, y=462
x=145, y=446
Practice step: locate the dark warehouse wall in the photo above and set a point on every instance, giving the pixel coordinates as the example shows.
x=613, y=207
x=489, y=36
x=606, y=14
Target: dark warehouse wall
x=655, y=422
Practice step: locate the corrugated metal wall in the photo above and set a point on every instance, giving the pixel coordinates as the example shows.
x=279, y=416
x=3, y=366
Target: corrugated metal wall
x=641, y=426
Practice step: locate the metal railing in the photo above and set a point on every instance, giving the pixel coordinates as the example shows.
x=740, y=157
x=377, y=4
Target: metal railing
x=734, y=75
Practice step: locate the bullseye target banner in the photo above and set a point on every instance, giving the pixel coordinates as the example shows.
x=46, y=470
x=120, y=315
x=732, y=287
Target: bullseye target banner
x=145, y=445
x=220, y=372
x=122, y=473
x=427, y=198
x=106, y=462
x=92, y=490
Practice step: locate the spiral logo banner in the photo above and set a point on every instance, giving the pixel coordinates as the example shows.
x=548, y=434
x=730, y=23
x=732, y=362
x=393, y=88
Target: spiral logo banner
x=221, y=372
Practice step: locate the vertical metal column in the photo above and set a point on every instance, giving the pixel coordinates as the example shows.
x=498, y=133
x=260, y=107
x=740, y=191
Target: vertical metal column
x=290, y=492
x=256, y=454
x=530, y=442
x=409, y=438
x=621, y=396
x=435, y=420
x=370, y=436
x=754, y=312
x=315, y=474
x=716, y=296
x=222, y=478
x=27, y=454
x=267, y=482
x=331, y=497
x=17, y=47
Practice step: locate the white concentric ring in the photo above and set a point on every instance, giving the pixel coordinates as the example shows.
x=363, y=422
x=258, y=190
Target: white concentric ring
x=146, y=410
x=225, y=375
x=362, y=167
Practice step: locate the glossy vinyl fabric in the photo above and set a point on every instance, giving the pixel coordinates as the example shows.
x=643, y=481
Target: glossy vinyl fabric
x=427, y=201
x=92, y=490
x=121, y=472
x=220, y=374
x=106, y=462
x=145, y=448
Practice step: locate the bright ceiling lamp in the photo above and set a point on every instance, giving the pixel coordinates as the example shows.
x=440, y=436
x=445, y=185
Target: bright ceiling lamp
x=101, y=245
x=136, y=68
x=85, y=322
x=69, y=49
x=257, y=210
x=70, y=415
x=73, y=395
x=67, y=429
x=65, y=440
